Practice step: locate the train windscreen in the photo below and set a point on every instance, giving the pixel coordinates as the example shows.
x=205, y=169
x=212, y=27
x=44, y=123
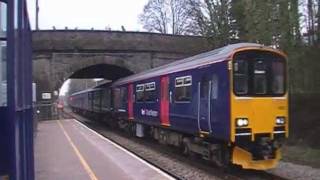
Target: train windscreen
x=259, y=73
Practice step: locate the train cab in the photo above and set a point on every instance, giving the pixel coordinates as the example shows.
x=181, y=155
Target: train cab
x=259, y=106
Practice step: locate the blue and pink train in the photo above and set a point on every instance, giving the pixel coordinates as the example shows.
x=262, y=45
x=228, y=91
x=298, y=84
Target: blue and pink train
x=229, y=105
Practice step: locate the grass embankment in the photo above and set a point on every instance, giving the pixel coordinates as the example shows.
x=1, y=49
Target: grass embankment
x=303, y=155
x=303, y=145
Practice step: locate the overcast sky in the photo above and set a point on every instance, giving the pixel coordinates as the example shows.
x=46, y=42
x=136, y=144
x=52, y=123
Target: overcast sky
x=85, y=14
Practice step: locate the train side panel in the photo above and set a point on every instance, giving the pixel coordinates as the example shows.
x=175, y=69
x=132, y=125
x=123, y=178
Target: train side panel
x=184, y=101
x=189, y=110
x=147, y=101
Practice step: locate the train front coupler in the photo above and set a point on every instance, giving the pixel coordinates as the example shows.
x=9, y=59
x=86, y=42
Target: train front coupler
x=262, y=154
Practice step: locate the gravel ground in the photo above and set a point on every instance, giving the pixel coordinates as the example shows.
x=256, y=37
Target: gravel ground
x=295, y=171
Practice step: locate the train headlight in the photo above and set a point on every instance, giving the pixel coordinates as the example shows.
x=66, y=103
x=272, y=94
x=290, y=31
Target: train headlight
x=242, y=122
x=280, y=120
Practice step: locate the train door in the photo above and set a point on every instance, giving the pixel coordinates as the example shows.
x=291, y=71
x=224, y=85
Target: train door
x=204, y=103
x=130, y=101
x=164, y=101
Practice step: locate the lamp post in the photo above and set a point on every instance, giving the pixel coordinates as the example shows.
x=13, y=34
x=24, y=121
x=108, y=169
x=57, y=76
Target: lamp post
x=37, y=14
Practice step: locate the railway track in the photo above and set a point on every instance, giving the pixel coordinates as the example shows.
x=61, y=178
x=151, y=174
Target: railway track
x=169, y=159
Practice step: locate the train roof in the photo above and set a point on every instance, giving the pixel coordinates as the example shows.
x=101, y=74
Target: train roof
x=85, y=91
x=217, y=55
x=99, y=87
x=104, y=85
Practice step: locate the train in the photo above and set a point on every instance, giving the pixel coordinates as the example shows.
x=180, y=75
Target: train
x=16, y=107
x=228, y=105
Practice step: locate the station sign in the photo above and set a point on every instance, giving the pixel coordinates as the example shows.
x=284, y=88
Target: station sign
x=46, y=96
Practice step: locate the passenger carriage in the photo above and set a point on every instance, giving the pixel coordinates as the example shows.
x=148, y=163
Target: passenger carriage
x=95, y=102
x=229, y=105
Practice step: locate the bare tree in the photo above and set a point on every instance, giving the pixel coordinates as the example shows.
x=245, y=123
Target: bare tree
x=155, y=16
x=213, y=19
x=167, y=16
x=311, y=21
x=181, y=20
x=318, y=24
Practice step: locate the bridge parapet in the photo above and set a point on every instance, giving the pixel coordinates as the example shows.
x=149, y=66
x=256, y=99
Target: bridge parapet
x=114, y=41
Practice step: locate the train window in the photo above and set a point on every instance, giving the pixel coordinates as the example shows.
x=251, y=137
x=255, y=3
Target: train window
x=179, y=82
x=3, y=54
x=96, y=99
x=278, y=77
x=183, y=81
x=150, y=86
x=124, y=96
x=150, y=92
x=183, y=89
x=187, y=81
x=3, y=20
x=260, y=77
x=240, y=77
x=139, y=92
x=204, y=88
x=3, y=73
x=214, y=87
x=183, y=94
x=259, y=73
x=139, y=88
x=106, y=98
x=116, y=98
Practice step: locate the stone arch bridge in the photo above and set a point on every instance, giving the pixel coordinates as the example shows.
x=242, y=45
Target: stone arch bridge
x=59, y=55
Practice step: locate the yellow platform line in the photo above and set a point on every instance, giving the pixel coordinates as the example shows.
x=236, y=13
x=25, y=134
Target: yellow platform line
x=81, y=158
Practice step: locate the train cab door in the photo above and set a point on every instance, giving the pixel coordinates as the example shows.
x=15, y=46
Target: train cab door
x=164, y=101
x=204, y=104
x=130, y=102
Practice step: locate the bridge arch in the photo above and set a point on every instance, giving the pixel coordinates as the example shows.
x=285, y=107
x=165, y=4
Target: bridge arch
x=59, y=55
x=105, y=71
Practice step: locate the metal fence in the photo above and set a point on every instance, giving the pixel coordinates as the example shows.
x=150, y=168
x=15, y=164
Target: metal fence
x=44, y=112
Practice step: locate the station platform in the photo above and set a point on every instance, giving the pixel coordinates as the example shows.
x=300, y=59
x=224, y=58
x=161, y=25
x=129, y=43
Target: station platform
x=66, y=149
